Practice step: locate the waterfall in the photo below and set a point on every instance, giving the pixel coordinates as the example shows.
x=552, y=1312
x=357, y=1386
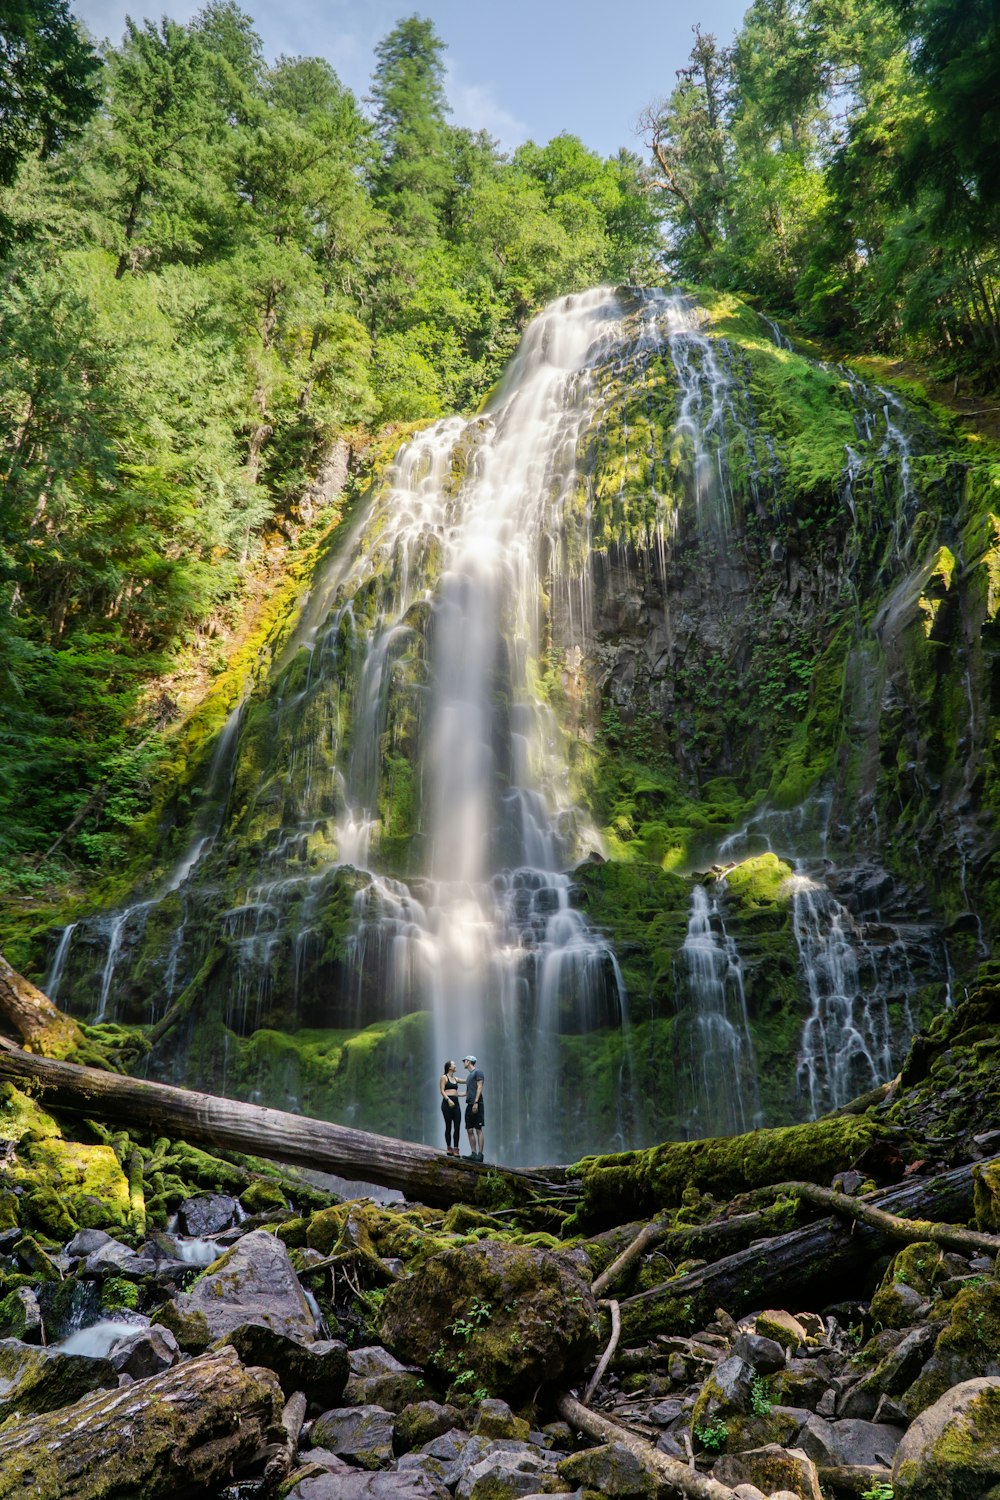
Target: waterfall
x=385, y=841
x=721, y=1063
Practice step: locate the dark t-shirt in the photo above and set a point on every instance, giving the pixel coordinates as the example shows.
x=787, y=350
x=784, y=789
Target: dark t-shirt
x=473, y=1079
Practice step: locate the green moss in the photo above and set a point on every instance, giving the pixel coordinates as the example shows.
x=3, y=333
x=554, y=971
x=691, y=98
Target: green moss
x=761, y=881
x=117, y=1293
x=638, y=1183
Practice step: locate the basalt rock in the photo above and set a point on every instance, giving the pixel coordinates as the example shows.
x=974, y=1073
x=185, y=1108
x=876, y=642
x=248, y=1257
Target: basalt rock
x=524, y=1319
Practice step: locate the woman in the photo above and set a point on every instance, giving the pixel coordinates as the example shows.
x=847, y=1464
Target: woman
x=448, y=1086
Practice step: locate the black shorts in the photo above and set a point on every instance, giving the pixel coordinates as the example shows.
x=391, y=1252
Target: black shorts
x=475, y=1116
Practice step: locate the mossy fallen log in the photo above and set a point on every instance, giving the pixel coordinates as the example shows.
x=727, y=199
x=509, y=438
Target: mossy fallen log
x=641, y=1184
x=419, y=1172
x=177, y=1434
x=814, y=1265
x=40, y=1024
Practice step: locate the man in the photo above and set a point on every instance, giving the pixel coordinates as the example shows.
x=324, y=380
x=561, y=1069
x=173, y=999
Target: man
x=475, y=1115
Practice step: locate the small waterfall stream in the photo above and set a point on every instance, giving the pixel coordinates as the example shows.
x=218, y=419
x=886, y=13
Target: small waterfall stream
x=721, y=1059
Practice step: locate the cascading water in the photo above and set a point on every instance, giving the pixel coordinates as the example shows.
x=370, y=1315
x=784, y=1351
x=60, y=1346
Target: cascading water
x=388, y=826
x=721, y=1063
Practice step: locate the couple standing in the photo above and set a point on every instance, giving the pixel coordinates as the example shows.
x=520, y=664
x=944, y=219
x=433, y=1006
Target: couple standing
x=475, y=1115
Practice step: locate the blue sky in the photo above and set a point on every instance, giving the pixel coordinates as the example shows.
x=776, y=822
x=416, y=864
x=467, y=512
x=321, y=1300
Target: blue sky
x=521, y=69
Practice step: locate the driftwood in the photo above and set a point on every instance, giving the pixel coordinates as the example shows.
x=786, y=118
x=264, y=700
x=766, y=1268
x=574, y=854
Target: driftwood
x=798, y=1265
x=607, y=1356
x=32, y=1016
x=651, y=1234
x=279, y=1465
x=911, y=1231
x=690, y=1483
x=173, y=1436
x=419, y=1172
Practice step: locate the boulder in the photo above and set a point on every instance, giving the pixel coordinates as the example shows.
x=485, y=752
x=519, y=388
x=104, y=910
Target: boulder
x=764, y=1354
x=320, y=1369
x=851, y=1442
x=252, y=1283
x=393, y=1390
x=145, y=1352
x=42, y=1380
x=494, y=1419
x=505, y=1317
x=771, y=1468
x=361, y=1434
x=448, y=1457
x=423, y=1420
x=952, y=1449
x=729, y=1389
x=780, y=1326
x=208, y=1213
x=967, y=1347
x=611, y=1470
x=401, y=1485
x=510, y=1471
x=891, y=1376
x=21, y=1316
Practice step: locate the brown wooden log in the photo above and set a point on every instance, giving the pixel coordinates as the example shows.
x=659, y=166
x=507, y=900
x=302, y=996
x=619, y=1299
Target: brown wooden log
x=690, y=1483
x=174, y=1436
x=279, y=1465
x=42, y=1026
x=813, y=1266
x=419, y=1172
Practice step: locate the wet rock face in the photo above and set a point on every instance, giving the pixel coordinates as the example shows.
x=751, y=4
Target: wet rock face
x=253, y=1283
x=499, y=1316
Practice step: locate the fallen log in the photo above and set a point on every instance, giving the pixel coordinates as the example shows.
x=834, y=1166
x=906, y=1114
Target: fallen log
x=32, y=1016
x=910, y=1231
x=419, y=1172
x=688, y=1481
x=817, y=1264
x=176, y=1435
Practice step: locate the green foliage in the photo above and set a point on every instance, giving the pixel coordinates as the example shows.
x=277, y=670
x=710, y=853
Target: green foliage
x=880, y=1490
x=760, y=1397
x=713, y=1436
x=225, y=271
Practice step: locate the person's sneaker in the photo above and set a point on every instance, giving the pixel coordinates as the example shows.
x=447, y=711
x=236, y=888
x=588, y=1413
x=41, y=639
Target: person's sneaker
x=472, y=1156
x=479, y=1156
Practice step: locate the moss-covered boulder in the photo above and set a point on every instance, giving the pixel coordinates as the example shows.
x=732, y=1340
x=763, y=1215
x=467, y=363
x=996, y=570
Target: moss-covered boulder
x=986, y=1192
x=952, y=1450
x=494, y=1317
x=319, y=1369
x=910, y=1282
x=361, y=1434
x=40, y=1380
x=968, y=1346
x=64, y=1185
x=611, y=1470
x=771, y=1468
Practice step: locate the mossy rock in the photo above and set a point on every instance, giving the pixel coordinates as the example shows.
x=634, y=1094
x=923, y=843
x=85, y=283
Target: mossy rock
x=952, y=1450
x=986, y=1190
x=494, y=1316
x=968, y=1346
x=759, y=882
x=910, y=1281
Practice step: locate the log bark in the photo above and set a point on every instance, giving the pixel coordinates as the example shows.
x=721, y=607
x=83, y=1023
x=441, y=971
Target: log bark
x=279, y=1465
x=607, y=1356
x=419, y=1172
x=822, y=1262
x=910, y=1231
x=172, y=1437
x=32, y=1016
x=650, y=1234
x=688, y=1481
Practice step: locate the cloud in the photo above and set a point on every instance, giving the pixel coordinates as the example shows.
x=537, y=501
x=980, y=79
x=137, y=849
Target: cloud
x=474, y=105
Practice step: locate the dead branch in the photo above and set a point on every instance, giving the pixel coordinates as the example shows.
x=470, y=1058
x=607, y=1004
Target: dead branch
x=688, y=1481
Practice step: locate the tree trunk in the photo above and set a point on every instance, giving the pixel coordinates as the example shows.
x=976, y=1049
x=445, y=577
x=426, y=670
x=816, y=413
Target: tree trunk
x=174, y=1436
x=823, y=1262
x=42, y=1026
x=419, y=1172
x=911, y=1231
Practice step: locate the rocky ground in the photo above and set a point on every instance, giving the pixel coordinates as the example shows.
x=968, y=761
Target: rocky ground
x=178, y=1324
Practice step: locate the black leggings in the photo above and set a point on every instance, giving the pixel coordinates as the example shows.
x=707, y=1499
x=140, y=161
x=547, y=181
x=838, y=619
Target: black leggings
x=452, y=1120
